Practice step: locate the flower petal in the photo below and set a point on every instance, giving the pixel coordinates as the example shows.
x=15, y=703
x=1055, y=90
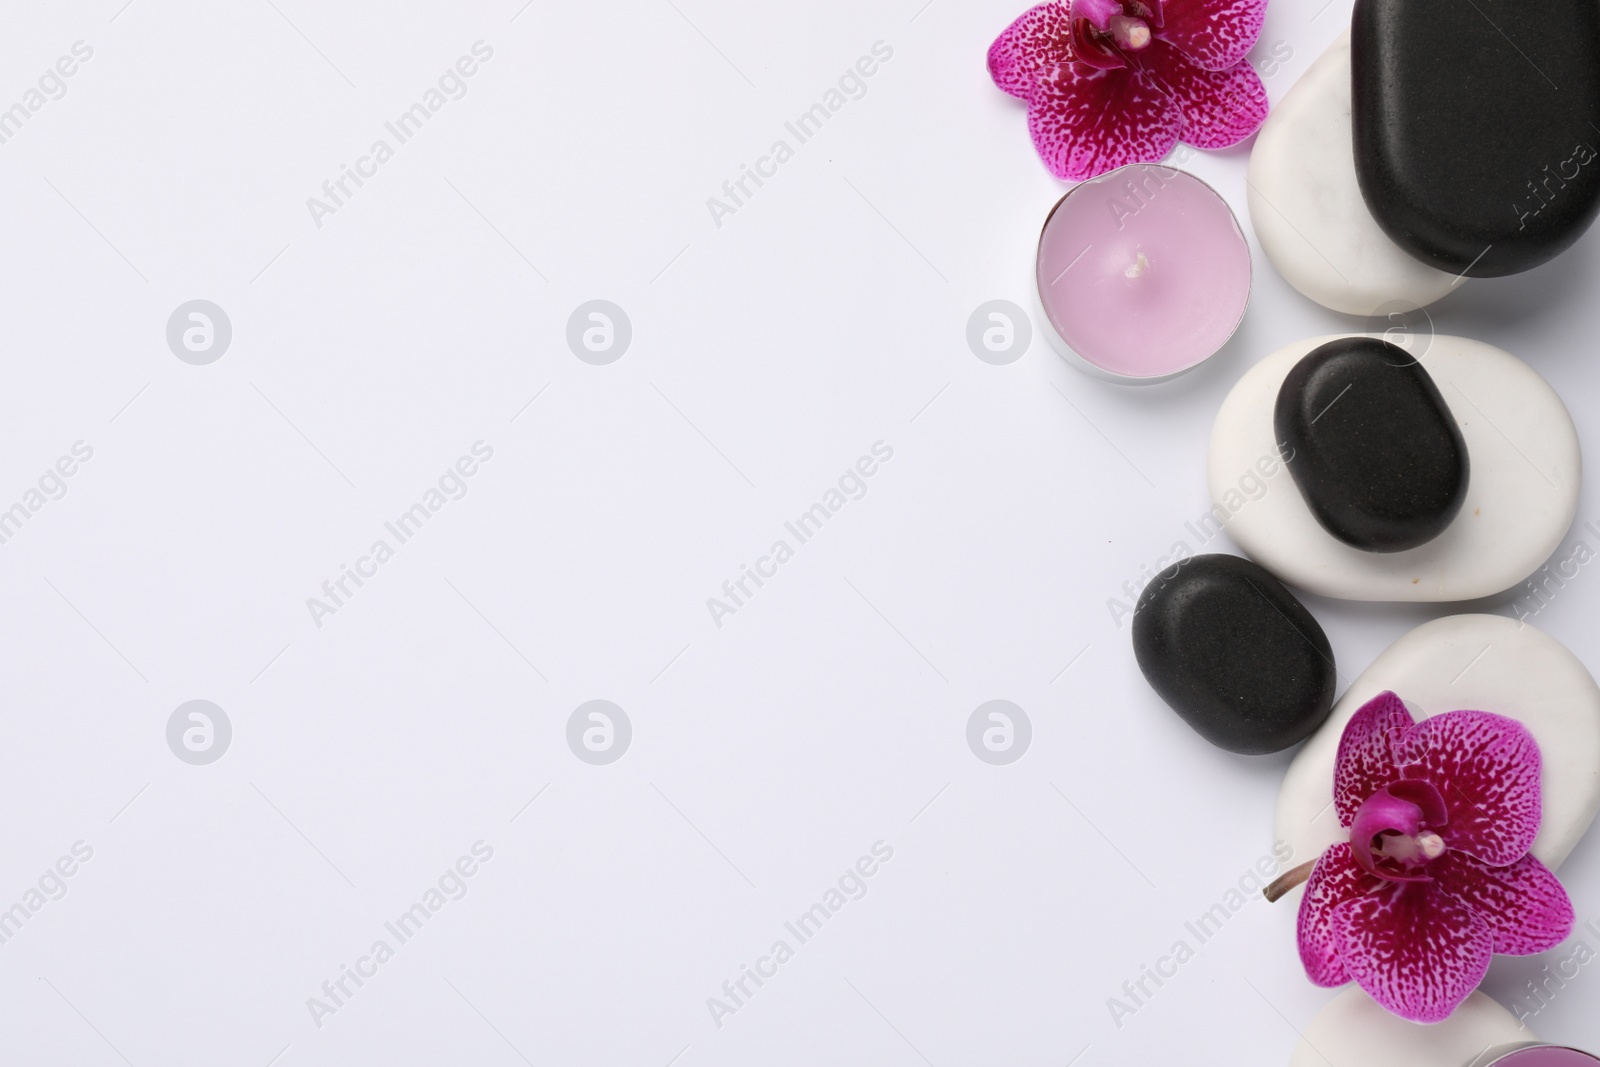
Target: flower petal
x=1487, y=769
x=1415, y=950
x=1366, y=763
x=1039, y=40
x=1334, y=880
x=1216, y=34
x=1220, y=107
x=1524, y=904
x=1085, y=122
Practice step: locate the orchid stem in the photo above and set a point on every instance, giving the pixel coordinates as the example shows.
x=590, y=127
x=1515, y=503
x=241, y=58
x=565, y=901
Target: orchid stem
x=1288, y=880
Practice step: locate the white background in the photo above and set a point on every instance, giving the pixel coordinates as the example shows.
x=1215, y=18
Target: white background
x=768, y=754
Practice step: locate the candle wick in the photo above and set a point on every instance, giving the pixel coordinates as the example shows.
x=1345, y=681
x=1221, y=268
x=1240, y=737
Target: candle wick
x=1137, y=268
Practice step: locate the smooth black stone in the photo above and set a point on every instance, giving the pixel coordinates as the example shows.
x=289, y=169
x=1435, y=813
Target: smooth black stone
x=1477, y=127
x=1234, y=653
x=1372, y=445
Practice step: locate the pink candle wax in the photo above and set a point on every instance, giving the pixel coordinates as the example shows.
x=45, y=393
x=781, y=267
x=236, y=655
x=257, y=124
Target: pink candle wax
x=1546, y=1056
x=1142, y=273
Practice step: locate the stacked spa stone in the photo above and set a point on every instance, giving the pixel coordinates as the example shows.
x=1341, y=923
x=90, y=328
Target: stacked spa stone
x=1371, y=444
x=1437, y=141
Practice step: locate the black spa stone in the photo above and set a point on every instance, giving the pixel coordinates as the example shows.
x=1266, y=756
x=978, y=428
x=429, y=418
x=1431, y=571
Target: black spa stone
x=1371, y=444
x=1234, y=653
x=1477, y=127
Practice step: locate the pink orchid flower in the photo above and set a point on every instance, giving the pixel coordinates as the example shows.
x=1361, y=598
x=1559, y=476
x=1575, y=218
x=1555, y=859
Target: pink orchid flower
x=1436, y=877
x=1110, y=82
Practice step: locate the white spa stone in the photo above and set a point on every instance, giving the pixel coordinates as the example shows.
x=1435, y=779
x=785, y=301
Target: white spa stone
x=1353, y=1031
x=1521, y=498
x=1308, y=211
x=1471, y=662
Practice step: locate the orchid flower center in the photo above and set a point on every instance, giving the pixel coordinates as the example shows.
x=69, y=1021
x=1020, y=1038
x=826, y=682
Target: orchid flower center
x=1104, y=31
x=1130, y=33
x=1395, y=833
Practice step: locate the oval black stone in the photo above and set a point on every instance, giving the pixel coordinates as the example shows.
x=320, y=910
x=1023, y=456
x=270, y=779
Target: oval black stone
x=1234, y=653
x=1372, y=445
x=1477, y=127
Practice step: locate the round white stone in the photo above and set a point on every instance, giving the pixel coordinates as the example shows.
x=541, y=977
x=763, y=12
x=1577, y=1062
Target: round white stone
x=1521, y=496
x=1353, y=1031
x=1465, y=662
x=1307, y=207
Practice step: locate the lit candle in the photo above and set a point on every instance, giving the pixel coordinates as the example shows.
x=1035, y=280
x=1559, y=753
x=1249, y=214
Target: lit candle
x=1142, y=273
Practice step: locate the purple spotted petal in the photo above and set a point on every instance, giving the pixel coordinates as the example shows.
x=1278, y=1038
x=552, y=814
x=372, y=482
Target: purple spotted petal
x=1365, y=763
x=1216, y=34
x=1085, y=122
x=1334, y=880
x=1220, y=108
x=1040, y=40
x=1414, y=949
x=1487, y=769
x=1525, y=906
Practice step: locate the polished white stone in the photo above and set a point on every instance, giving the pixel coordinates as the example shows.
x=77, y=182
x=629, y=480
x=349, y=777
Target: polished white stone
x=1307, y=208
x=1475, y=662
x=1521, y=497
x=1353, y=1031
